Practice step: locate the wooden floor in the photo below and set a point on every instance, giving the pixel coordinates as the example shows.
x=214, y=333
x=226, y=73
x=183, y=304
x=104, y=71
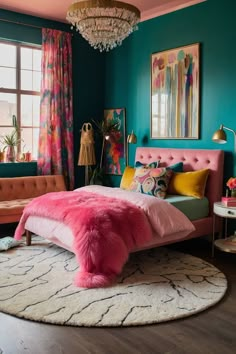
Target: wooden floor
x=210, y=332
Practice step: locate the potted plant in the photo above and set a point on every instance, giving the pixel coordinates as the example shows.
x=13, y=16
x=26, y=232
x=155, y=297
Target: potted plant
x=10, y=141
x=2, y=155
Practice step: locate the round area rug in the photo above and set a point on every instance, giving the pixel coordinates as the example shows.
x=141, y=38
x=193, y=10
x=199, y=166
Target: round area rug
x=156, y=285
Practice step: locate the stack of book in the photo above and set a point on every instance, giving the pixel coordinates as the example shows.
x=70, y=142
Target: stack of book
x=229, y=201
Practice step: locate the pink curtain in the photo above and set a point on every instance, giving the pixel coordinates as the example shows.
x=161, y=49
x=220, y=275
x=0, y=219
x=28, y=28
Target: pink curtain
x=56, y=114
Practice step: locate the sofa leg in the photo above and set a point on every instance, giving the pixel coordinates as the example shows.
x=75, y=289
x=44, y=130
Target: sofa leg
x=28, y=237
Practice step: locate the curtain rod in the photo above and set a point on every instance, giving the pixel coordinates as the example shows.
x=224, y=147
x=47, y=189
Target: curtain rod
x=24, y=24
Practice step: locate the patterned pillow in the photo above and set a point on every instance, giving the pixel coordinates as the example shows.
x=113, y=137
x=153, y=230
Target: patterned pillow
x=152, y=181
x=8, y=242
x=129, y=172
x=148, y=165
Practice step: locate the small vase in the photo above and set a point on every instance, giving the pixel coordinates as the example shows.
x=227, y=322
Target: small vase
x=11, y=154
x=2, y=156
x=233, y=193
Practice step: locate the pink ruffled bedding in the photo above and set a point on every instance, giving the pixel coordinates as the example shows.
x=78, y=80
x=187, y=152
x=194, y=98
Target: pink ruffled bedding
x=105, y=228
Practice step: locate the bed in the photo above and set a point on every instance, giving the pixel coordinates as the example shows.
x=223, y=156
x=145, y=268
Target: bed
x=193, y=160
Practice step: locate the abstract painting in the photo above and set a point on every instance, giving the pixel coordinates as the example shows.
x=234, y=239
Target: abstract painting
x=114, y=150
x=175, y=93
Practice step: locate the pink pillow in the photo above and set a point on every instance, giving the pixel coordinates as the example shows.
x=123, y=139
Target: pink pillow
x=151, y=181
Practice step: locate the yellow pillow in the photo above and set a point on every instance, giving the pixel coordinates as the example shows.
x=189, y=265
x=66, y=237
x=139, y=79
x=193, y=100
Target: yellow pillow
x=189, y=183
x=127, y=177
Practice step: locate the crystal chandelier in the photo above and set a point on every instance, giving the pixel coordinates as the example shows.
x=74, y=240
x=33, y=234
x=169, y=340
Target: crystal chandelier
x=103, y=23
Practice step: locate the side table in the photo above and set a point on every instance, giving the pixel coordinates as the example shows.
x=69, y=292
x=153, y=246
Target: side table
x=226, y=244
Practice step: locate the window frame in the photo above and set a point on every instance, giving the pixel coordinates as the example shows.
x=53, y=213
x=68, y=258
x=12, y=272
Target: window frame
x=18, y=91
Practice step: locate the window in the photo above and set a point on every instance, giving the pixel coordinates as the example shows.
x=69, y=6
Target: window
x=20, y=76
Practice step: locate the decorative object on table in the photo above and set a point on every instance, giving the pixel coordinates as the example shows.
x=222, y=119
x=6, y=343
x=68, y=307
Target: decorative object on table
x=103, y=23
x=2, y=156
x=175, y=93
x=131, y=139
x=20, y=157
x=231, y=184
x=28, y=157
x=114, y=159
x=87, y=153
x=155, y=286
x=11, y=141
x=229, y=201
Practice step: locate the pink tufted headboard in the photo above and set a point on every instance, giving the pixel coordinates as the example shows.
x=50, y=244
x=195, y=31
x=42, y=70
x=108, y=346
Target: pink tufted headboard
x=193, y=159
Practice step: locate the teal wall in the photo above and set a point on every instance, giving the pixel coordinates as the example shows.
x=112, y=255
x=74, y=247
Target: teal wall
x=121, y=78
x=88, y=76
x=210, y=23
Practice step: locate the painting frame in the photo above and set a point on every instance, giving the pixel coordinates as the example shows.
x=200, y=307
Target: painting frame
x=175, y=93
x=114, y=161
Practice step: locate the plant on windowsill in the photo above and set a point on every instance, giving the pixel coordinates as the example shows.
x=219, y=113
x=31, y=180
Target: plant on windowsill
x=105, y=131
x=11, y=141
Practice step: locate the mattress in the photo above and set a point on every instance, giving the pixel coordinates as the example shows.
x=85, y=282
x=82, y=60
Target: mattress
x=192, y=207
x=61, y=234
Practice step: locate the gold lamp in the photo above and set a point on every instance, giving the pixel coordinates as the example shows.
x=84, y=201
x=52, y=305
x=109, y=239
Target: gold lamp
x=103, y=23
x=131, y=139
x=220, y=136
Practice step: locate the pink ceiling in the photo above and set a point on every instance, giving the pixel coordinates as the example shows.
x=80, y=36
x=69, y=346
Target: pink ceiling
x=56, y=10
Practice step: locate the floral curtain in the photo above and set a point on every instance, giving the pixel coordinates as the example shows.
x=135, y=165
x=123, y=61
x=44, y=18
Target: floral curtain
x=56, y=114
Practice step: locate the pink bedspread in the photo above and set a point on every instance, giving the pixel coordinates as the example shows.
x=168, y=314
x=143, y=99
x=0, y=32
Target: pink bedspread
x=105, y=231
x=105, y=228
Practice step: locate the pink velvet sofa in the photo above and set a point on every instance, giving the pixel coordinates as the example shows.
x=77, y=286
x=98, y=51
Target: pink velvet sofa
x=17, y=192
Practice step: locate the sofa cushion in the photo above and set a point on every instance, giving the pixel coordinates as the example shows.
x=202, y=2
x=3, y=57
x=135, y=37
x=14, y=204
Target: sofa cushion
x=13, y=207
x=30, y=186
x=17, y=192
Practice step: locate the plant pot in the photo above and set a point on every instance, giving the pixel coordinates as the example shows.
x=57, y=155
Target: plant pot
x=11, y=154
x=2, y=156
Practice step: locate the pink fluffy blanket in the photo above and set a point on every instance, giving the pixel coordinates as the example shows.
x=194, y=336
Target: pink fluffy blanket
x=105, y=231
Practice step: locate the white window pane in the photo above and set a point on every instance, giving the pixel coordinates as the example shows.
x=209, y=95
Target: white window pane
x=35, y=143
x=26, y=80
x=7, y=55
x=36, y=111
x=7, y=78
x=27, y=137
x=7, y=108
x=26, y=110
x=36, y=81
x=26, y=58
x=37, y=56
x=30, y=108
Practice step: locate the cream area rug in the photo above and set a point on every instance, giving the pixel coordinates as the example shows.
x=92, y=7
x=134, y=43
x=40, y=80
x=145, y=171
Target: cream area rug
x=157, y=285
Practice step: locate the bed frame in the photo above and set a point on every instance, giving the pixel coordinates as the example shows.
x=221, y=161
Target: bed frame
x=193, y=159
